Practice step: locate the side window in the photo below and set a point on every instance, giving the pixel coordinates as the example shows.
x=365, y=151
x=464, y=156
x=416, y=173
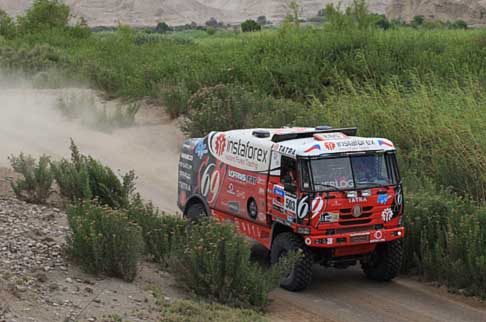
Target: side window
x=305, y=172
x=288, y=173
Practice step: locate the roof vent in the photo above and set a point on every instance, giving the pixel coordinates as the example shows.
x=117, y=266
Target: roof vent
x=323, y=127
x=261, y=134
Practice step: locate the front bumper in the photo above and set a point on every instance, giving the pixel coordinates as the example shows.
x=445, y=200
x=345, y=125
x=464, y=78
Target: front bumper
x=357, y=238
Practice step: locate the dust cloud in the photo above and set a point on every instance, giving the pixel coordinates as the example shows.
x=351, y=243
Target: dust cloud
x=30, y=123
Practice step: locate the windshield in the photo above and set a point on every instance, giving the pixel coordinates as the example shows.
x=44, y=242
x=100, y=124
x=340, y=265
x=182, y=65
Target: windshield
x=353, y=172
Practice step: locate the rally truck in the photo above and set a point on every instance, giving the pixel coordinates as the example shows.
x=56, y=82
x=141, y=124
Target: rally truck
x=332, y=196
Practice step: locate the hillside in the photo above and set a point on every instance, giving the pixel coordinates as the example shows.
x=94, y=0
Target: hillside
x=471, y=11
x=175, y=12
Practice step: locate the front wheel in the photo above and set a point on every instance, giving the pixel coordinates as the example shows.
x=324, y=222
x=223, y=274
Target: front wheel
x=385, y=262
x=301, y=274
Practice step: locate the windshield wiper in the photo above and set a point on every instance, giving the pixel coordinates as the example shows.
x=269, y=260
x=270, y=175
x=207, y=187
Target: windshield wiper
x=371, y=184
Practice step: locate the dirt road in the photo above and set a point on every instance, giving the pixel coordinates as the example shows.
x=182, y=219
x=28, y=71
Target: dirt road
x=29, y=123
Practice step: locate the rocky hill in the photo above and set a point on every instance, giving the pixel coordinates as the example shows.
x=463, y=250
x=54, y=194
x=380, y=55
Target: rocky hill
x=178, y=12
x=471, y=11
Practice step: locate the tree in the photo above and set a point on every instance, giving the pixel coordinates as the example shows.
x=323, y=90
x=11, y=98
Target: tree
x=418, y=21
x=262, y=20
x=250, y=25
x=162, y=28
x=7, y=26
x=44, y=14
x=213, y=23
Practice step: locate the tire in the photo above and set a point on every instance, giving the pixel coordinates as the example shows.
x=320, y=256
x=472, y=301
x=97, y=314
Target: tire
x=301, y=275
x=384, y=263
x=196, y=212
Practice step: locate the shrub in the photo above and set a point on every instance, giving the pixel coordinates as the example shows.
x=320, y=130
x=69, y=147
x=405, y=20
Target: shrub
x=7, y=25
x=211, y=31
x=30, y=60
x=44, y=14
x=214, y=262
x=104, y=241
x=223, y=107
x=446, y=238
x=36, y=184
x=162, y=233
x=162, y=28
x=250, y=25
x=84, y=178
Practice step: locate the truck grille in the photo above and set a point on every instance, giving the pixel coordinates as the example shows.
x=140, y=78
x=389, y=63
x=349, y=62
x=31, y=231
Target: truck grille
x=346, y=217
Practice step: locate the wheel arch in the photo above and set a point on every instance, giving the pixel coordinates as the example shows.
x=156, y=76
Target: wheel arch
x=278, y=228
x=196, y=199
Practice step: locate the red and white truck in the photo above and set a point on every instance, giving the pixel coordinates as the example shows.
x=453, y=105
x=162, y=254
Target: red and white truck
x=333, y=195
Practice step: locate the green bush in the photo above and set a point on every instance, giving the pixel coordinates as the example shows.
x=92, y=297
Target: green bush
x=84, y=178
x=104, y=241
x=446, y=239
x=225, y=107
x=44, y=14
x=36, y=184
x=162, y=233
x=7, y=25
x=30, y=60
x=250, y=26
x=214, y=262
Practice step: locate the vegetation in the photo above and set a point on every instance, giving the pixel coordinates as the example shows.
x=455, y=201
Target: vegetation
x=36, y=184
x=214, y=261
x=84, y=178
x=195, y=311
x=250, y=25
x=104, y=240
x=420, y=85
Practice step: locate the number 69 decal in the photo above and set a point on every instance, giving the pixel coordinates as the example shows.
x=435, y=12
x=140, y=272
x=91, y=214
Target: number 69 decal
x=210, y=182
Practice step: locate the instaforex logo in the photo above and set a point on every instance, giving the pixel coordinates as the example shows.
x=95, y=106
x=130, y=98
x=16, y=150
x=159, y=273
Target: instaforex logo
x=220, y=144
x=245, y=150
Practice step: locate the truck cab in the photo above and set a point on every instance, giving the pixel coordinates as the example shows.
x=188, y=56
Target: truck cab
x=334, y=196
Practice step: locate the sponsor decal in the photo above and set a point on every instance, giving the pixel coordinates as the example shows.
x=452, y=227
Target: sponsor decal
x=329, y=217
x=184, y=175
x=308, y=241
x=290, y=218
x=340, y=183
x=234, y=207
x=185, y=166
x=239, y=152
x=387, y=215
x=385, y=143
x=313, y=148
x=333, y=136
x=184, y=186
x=290, y=203
x=284, y=149
x=261, y=191
x=220, y=144
x=210, y=181
x=201, y=149
x=330, y=146
x=377, y=236
x=187, y=157
x=231, y=189
x=242, y=177
x=303, y=207
x=355, y=143
x=399, y=197
x=279, y=191
x=358, y=199
x=383, y=198
x=317, y=206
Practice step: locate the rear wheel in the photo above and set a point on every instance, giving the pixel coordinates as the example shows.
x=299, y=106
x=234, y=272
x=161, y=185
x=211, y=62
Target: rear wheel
x=196, y=212
x=301, y=274
x=384, y=263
